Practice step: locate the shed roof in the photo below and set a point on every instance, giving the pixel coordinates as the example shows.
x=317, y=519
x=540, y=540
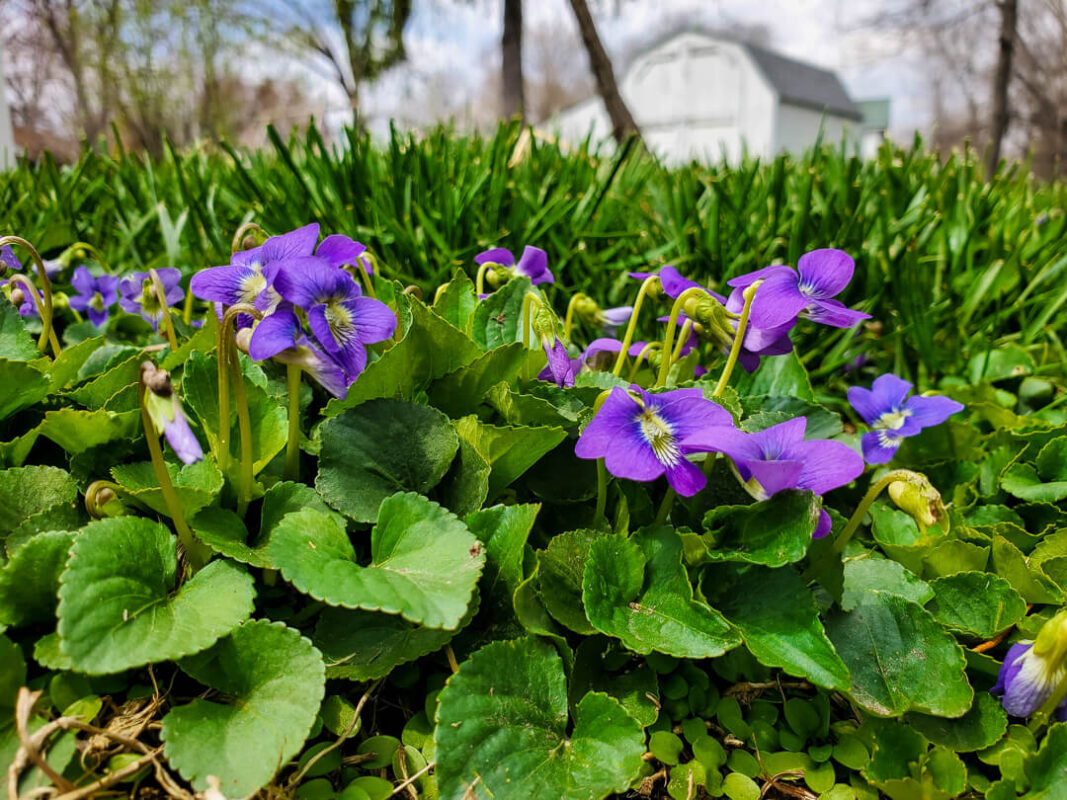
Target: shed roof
x=803, y=84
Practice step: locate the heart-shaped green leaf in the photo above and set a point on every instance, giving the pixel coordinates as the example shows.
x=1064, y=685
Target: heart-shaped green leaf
x=900, y=658
x=636, y=589
x=502, y=731
x=424, y=561
x=380, y=448
x=779, y=622
x=774, y=532
x=977, y=603
x=30, y=580
x=111, y=618
x=275, y=682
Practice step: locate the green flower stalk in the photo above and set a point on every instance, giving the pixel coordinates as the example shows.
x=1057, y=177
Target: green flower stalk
x=48, y=336
x=648, y=285
x=161, y=413
x=230, y=367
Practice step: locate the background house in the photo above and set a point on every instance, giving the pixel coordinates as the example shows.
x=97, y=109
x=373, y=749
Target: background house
x=697, y=95
x=7, y=137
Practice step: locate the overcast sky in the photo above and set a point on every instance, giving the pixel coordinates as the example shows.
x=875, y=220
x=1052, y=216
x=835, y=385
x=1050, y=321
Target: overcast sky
x=451, y=45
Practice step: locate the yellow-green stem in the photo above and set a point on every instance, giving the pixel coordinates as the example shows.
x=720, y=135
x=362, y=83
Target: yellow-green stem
x=665, y=506
x=568, y=321
x=161, y=297
x=683, y=337
x=222, y=350
x=479, y=280
x=196, y=553
x=601, y=490
x=646, y=286
x=528, y=311
x=368, y=281
x=238, y=237
x=854, y=521
x=292, y=445
x=232, y=361
x=739, y=339
x=1048, y=708
x=27, y=285
x=187, y=309
x=647, y=350
x=92, y=505
x=672, y=324
x=47, y=337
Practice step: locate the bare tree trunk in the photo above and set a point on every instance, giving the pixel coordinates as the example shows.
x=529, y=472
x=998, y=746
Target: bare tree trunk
x=1008, y=14
x=622, y=123
x=513, y=99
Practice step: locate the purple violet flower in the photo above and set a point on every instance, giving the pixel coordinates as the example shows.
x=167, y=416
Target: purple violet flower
x=641, y=436
x=561, y=367
x=95, y=294
x=674, y=283
x=807, y=291
x=610, y=319
x=249, y=276
x=894, y=416
x=137, y=295
x=11, y=261
x=165, y=411
x=1026, y=681
x=279, y=335
x=533, y=263
x=341, y=319
x=779, y=458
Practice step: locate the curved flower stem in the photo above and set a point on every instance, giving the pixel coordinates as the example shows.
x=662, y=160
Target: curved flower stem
x=292, y=445
x=568, y=321
x=161, y=298
x=242, y=231
x=668, y=337
x=683, y=337
x=665, y=506
x=368, y=282
x=479, y=280
x=195, y=552
x=739, y=339
x=647, y=350
x=244, y=420
x=47, y=336
x=92, y=496
x=31, y=290
x=1048, y=708
x=854, y=521
x=601, y=490
x=528, y=311
x=647, y=285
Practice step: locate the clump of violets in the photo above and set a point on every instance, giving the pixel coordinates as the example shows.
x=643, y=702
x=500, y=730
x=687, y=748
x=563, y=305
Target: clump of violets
x=500, y=263
x=807, y=291
x=95, y=294
x=168, y=418
x=893, y=416
x=779, y=457
x=137, y=294
x=281, y=336
x=1032, y=671
x=642, y=436
x=249, y=277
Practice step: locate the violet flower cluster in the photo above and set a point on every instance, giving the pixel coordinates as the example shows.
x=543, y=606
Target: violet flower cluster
x=642, y=436
x=294, y=283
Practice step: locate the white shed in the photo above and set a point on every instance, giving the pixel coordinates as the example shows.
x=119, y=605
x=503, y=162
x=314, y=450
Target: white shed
x=8, y=151
x=697, y=95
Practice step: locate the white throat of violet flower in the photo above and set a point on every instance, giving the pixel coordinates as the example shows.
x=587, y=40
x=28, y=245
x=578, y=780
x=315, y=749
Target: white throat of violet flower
x=888, y=422
x=340, y=321
x=251, y=285
x=660, y=436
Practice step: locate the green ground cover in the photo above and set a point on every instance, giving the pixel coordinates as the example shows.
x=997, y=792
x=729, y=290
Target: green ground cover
x=437, y=572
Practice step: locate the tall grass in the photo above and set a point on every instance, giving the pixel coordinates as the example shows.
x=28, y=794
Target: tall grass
x=950, y=264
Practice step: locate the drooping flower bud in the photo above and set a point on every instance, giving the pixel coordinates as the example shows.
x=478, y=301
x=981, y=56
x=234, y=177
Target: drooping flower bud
x=919, y=498
x=1032, y=671
x=165, y=410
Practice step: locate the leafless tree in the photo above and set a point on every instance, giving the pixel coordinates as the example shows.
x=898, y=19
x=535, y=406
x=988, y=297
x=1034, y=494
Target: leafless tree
x=622, y=122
